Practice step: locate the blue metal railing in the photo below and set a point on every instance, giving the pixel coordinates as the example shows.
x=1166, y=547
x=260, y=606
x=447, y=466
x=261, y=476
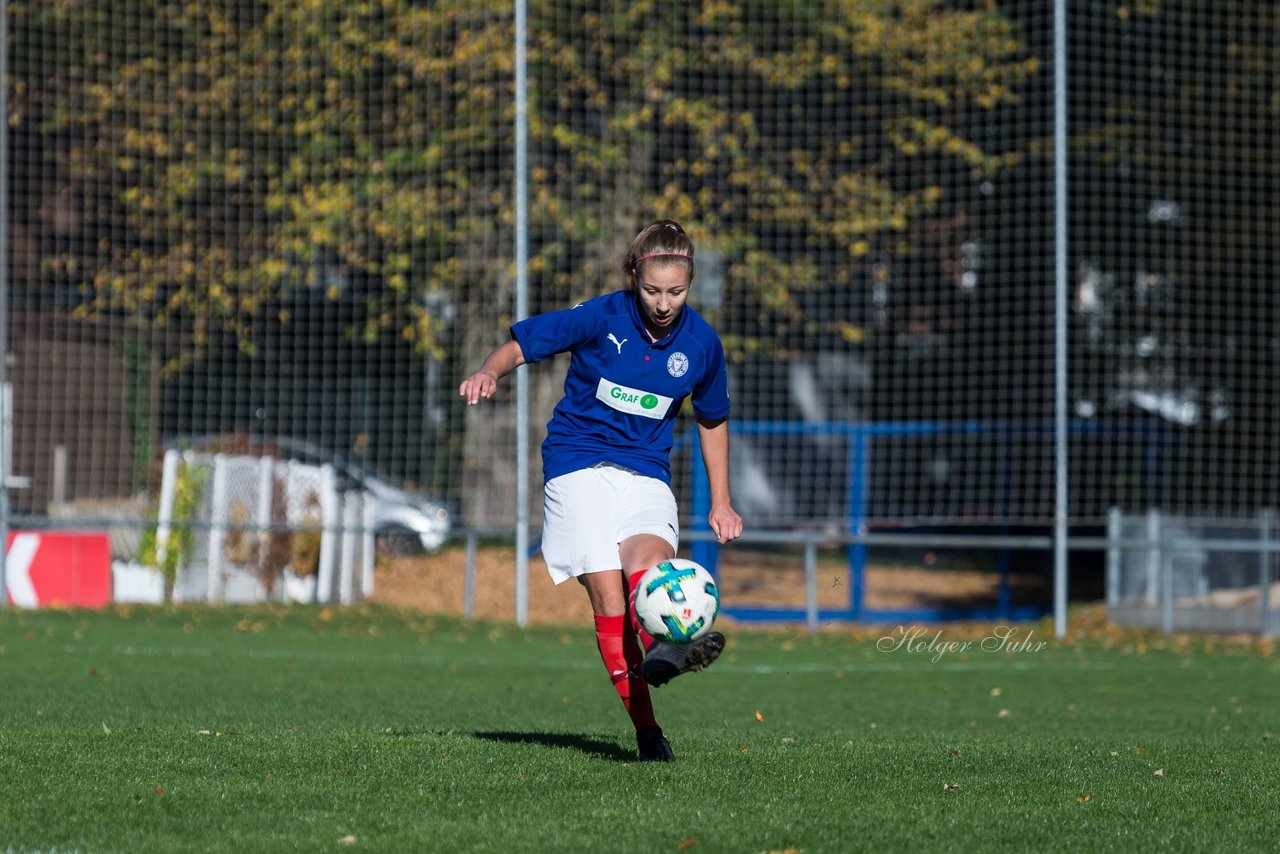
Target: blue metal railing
x=860, y=438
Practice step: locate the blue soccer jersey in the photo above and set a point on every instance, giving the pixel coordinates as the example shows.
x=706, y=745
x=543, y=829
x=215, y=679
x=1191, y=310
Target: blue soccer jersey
x=622, y=392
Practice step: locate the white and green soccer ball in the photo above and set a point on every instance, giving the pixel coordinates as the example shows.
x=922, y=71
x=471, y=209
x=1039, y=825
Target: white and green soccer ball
x=677, y=601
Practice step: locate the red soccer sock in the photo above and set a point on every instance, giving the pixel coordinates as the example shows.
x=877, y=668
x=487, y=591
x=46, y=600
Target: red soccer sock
x=612, y=639
x=646, y=639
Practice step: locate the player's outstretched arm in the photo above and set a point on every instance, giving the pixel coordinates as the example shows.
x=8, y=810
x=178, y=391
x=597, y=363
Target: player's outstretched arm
x=725, y=522
x=484, y=382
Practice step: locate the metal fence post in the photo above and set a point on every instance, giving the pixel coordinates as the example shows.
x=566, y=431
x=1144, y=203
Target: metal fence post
x=1164, y=565
x=1166, y=593
x=704, y=551
x=522, y=307
x=1115, y=531
x=1062, y=497
x=811, y=584
x=469, y=578
x=1152, y=593
x=1266, y=529
x=5, y=427
x=859, y=452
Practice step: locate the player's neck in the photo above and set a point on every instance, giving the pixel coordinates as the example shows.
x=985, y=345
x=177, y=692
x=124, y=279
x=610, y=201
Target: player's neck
x=656, y=333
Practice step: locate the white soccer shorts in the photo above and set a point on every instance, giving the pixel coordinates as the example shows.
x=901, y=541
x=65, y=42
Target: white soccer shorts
x=587, y=513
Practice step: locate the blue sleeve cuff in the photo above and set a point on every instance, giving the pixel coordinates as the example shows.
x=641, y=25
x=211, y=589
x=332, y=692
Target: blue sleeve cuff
x=520, y=336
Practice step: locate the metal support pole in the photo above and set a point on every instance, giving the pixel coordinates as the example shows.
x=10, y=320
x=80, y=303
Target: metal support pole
x=1061, y=497
x=5, y=425
x=859, y=453
x=1166, y=592
x=811, y=585
x=1267, y=530
x=1152, y=593
x=469, y=578
x=1115, y=555
x=522, y=311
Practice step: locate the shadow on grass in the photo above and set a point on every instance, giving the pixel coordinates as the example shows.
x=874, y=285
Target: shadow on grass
x=595, y=747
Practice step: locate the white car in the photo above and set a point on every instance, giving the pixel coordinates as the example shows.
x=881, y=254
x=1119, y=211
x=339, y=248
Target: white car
x=404, y=522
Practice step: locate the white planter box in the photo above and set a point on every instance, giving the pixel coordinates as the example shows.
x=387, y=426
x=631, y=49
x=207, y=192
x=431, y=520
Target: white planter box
x=133, y=582
x=298, y=589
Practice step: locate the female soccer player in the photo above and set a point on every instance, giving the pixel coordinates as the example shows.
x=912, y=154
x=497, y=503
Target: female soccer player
x=608, y=510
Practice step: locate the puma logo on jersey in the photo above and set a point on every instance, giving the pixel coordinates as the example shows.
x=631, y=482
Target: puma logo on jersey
x=618, y=343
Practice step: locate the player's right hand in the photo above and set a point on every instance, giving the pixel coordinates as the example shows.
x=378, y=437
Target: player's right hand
x=481, y=384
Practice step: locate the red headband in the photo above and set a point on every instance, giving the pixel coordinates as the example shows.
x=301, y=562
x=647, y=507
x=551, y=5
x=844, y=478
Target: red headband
x=663, y=255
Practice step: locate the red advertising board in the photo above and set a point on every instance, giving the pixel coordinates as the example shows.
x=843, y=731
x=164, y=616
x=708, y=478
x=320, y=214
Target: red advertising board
x=44, y=568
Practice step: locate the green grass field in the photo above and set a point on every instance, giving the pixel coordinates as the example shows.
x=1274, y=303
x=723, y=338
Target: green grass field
x=262, y=729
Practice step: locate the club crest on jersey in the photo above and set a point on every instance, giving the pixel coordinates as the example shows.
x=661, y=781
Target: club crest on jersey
x=678, y=364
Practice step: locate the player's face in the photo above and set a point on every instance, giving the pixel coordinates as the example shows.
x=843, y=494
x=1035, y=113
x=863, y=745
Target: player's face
x=663, y=289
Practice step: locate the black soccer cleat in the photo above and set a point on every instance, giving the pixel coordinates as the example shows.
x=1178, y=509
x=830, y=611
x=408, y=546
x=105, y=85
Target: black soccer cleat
x=652, y=745
x=665, y=661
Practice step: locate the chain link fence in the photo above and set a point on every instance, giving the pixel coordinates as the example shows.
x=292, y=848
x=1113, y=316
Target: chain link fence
x=232, y=224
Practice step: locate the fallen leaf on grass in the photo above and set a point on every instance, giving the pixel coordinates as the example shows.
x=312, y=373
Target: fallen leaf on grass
x=349, y=839
x=1003, y=713
x=160, y=791
x=1217, y=773
x=1159, y=772
x=106, y=729
x=955, y=753
x=759, y=716
x=950, y=787
x=686, y=844
x=1084, y=799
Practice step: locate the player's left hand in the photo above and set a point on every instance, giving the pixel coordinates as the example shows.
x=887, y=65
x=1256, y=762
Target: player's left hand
x=725, y=522
x=481, y=384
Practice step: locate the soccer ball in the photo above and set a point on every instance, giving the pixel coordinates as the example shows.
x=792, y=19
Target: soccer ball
x=677, y=601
